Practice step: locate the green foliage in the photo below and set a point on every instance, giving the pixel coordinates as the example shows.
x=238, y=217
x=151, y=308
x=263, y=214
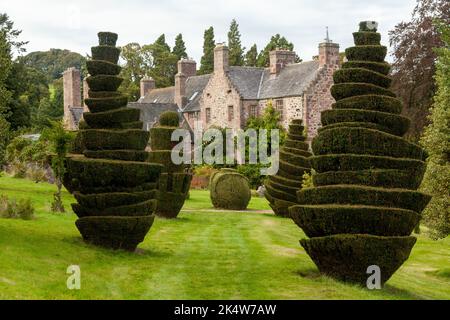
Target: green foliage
x=180, y=47
x=164, y=63
x=275, y=42
x=13, y=209
x=436, y=141
x=175, y=182
x=207, y=60
x=4, y=138
x=251, y=57
x=236, y=54
x=363, y=204
x=229, y=190
x=170, y=119
x=281, y=188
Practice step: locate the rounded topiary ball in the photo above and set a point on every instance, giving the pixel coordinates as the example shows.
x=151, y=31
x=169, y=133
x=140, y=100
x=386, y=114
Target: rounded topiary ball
x=229, y=190
x=169, y=119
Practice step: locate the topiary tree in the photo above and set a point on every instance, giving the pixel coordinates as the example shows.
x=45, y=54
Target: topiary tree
x=114, y=186
x=229, y=190
x=364, y=204
x=175, y=181
x=281, y=188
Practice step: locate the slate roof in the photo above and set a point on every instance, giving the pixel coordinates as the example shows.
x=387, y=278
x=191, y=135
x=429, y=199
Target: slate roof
x=150, y=112
x=251, y=82
x=193, y=85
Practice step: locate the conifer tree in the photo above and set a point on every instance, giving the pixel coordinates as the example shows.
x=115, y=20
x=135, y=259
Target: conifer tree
x=251, y=57
x=180, y=47
x=236, y=54
x=207, y=60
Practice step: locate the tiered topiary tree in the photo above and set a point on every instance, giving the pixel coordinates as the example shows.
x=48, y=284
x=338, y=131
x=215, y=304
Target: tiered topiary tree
x=229, y=190
x=113, y=184
x=364, y=204
x=281, y=189
x=176, y=179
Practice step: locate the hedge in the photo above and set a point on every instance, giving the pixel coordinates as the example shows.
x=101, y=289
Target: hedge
x=174, y=184
x=391, y=123
x=374, y=53
x=364, y=27
x=293, y=163
x=111, y=173
x=364, y=203
x=115, y=232
x=145, y=208
x=361, y=75
x=125, y=155
x=104, y=201
x=370, y=102
x=387, y=178
x=320, y=221
x=104, y=139
x=362, y=195
x=380, y=67
x=106, y=53
x=365, y=141
x=115, y=188
x=229, y=190
x=345, y=90
x=113, y=118
x=160, y=138
x=107, y=38
x=366, y=38
x=347, y=257
x=102, y=67
x=104, y=82
x=170, y=119
x=348, y=162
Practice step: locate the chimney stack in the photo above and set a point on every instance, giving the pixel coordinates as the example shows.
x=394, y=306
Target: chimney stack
x=147, y=84
x=221, y=60
x=328, y=53
x=72, y=94
x=180, y=90
x=279, y=59
x=188, y=67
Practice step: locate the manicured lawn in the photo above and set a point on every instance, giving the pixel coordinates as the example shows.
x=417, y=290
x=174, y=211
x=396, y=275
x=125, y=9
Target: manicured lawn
x=201, y=255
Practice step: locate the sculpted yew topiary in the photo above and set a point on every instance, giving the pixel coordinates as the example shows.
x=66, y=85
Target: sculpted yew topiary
x=176, y=179
x=364, y=204
x=281, y=188
x=115, y=188
x=229, y=190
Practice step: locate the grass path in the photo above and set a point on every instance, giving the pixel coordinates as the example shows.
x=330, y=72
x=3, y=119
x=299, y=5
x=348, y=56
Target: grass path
x=201, y=255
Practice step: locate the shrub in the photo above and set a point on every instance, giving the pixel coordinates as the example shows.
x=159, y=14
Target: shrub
x=114, y=188
x=16, y=209
x=229, y=190
x=363, y=204
x=176, y=179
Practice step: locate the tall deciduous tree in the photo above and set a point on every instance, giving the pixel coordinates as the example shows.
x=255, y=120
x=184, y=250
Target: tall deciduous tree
x=180, y=47
x=251, y=57
x=436, y=141
x=276, y=42
x=236, y=54
x=414, y=60
x=207, y=60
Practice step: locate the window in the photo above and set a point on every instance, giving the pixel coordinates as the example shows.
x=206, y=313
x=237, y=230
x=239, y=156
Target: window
x=253, y=111
x=279, y=106
x=208, y=115
x=230, y=113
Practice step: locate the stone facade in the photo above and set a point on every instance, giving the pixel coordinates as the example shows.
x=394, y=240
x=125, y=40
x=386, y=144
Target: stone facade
x=230, y=95
x=73, y=107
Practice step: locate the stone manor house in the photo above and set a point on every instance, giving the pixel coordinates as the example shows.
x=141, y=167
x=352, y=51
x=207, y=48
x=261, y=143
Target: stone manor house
x=230, y=95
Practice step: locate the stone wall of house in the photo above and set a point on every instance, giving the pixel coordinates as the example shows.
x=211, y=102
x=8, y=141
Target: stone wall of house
x=317, y=98
x=72, y=96
x=292, y=108
x=218, y=95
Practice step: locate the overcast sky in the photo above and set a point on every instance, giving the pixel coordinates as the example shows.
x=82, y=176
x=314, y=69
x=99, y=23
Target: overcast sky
x=73, y=25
